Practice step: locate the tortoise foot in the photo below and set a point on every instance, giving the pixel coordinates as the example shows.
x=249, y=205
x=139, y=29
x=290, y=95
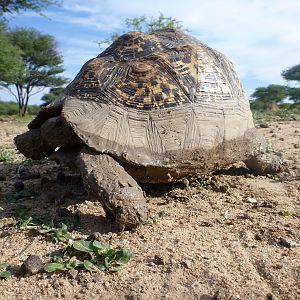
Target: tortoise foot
x=106, y=180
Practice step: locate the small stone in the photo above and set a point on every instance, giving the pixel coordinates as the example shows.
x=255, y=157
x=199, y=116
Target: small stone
x=73, y=273
x=263, y=125
x=186, y=182
x=269, y=296
x=97, y=278
x=206, y=224
x=18, y=185
x=32, y=265
x=158, y=260
x=286, y=243
x=187, y=264
x=259, y=236
x=281, y=139
x=296, y=146
x=252, y=200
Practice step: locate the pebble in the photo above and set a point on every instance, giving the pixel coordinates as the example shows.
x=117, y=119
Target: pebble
x=158, y=260
x=287, y=243
x=32, y=265
x=252, y=200
x=73, y=273
x=263, y=125
x=269, y=296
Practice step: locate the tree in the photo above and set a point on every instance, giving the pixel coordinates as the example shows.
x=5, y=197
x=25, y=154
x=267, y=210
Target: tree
x=10, y=58
x=292, y=73
x=294, y=94
x=52, y=95
x=15, y=6
x=41, y=64
x=270, y=96
x=145, y=24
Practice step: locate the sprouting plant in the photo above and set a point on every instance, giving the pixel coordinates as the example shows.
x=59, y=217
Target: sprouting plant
x=6, y=155
x=285, y=213
x=4, y=270
x=212, y=182
x=273, y=176
x=92, y=256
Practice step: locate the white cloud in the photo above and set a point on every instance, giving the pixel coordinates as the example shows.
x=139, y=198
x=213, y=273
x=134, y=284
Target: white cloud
x=262, y=37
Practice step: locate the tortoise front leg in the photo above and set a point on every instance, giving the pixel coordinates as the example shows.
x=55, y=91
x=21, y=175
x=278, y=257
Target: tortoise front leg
x=120, y=195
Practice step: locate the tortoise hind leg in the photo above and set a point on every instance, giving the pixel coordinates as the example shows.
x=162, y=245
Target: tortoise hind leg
x=120, y=195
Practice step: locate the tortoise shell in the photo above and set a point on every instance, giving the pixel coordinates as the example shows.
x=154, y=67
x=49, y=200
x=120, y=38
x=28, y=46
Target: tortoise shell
x=157, y=100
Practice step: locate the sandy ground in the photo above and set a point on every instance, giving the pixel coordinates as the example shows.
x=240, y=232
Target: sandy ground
x=199, y=243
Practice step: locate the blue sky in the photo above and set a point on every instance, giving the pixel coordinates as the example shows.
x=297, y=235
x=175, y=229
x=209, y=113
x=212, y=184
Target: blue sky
x=261, y=37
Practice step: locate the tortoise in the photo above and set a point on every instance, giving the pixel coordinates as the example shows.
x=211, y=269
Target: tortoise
x=156, y=108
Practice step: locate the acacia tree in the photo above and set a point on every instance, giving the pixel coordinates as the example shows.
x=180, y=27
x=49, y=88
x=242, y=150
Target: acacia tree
x=293, y=74
x=41, y=64
x=15, y=6
x=51, y=95
x=270, y=96
x=145, y=24
x=10, y=58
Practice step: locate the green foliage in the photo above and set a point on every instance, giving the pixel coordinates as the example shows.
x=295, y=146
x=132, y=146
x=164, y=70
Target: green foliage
x=212, y=182
x=10, y=58
x=285, y=213
x=273, y=93
x=92, y=256
x=16, y=6
x=52, y=95
x=41, y=64
x=292, y=73
x=294, y=94
x=4, y=270
x=145, y=24
x=286, y=111
x=6, y=155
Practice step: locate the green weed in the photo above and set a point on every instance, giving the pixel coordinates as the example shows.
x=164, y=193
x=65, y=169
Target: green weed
x=92, y=256
x=4, y=270
x=212, y=182
x=6, y=155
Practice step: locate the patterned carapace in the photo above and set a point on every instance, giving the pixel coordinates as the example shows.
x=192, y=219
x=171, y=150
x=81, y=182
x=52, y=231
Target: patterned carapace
x=143, y=71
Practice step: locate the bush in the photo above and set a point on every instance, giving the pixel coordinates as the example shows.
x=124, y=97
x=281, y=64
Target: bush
x=8, y=108
x=11, y=108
